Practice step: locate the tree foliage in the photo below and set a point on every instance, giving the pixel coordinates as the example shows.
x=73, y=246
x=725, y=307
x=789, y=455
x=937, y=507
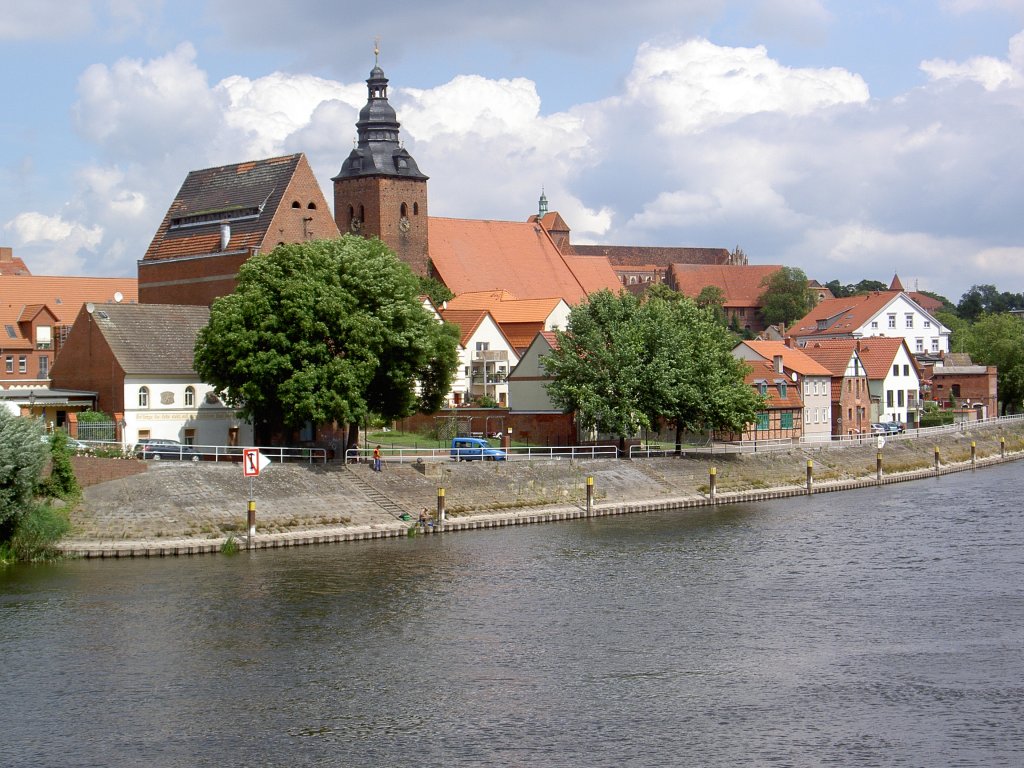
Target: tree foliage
x=22, y=456
x=624, y=364
x=325, y=331
x=981, y=299
x=712, y=298
x=786, y=296
x=841, y=291
x=999, y=340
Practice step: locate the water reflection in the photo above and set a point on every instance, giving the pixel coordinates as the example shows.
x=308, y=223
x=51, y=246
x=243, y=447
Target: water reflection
x=878, y=627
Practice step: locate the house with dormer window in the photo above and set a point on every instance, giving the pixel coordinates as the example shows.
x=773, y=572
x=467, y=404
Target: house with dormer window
x=486, y=355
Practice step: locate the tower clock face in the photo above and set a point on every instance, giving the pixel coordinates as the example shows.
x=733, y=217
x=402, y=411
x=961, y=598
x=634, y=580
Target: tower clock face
x=403, y=224
x=356, y=224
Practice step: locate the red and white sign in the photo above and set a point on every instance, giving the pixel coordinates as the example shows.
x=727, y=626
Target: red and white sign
x=253, y=462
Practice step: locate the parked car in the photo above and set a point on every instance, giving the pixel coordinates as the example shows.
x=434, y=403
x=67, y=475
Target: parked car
x=893, y=427
x=879, y=429
x=75, y=446
x=474, y=448
x=157, y=448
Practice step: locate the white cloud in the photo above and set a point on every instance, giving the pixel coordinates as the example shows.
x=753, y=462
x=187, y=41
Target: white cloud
x=53, y=242
x=698, y=85
x=991, y=73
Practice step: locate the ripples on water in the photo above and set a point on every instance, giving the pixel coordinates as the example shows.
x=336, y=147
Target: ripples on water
x=881, y=627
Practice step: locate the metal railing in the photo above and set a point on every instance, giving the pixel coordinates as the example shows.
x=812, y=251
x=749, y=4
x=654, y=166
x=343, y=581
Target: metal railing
x=226, y=453
x=399, y=455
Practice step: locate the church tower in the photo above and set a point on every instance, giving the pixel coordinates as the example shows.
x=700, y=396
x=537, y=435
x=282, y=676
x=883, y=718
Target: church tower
x=379, y=191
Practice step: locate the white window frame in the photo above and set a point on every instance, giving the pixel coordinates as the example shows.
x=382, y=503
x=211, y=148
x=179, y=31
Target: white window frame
x=143, y=397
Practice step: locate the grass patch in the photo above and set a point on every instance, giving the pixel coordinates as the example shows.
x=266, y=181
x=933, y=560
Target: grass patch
x=230, y=546
x=37, y=532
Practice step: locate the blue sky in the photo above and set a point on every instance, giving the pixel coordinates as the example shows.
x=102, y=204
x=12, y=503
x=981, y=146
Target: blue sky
x=850, y=139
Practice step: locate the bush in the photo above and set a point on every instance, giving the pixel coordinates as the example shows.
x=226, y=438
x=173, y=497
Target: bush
x=92, y=417
x=34, y=535
x=22, y=456
x=62, y=483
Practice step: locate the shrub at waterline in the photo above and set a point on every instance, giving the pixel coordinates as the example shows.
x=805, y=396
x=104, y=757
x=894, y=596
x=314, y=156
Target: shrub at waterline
x=28, y=526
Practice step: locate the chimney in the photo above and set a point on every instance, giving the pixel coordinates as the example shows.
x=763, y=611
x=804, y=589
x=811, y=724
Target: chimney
x=6, y=254
x=778, y=363
x=225, y=235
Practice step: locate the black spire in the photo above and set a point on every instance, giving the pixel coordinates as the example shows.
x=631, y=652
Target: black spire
x=378, y=151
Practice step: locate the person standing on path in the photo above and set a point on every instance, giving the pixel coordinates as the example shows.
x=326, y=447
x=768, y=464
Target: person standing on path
x=376, y=459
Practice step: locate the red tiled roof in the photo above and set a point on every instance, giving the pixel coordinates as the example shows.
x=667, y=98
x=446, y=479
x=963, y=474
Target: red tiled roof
x=764, y=372
x=468, y=320
x=742, y=285
x=551, y=339
x=834, y=354
x=519, y=257
x=793, y=359
x=63, y=296
x=878, y=352
x=11, y=264
x=842, y=317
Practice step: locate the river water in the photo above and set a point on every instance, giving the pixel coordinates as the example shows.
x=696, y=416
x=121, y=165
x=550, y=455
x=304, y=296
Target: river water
x=876, y=627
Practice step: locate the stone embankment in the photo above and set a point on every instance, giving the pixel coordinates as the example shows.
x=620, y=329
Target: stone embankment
x=185, y=508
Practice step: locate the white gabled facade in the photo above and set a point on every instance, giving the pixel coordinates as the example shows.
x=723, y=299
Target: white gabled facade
x=899, y=393
x=485, y=358
x=903, y=317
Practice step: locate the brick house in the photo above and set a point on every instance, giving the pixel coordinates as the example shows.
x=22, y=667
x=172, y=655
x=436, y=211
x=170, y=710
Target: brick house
x=958, y=383
x=221, y=217
x=138, y=359
x=741, y=286
x=851, y=393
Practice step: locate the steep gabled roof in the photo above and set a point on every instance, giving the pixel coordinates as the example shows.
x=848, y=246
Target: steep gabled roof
x=834, y=354
x=842, y=317
x=468, y=320
x=878, y=352
x=152, y=339
x=742, y=285
x=519, y=257
x=243, y=195
x=793, y=359
x=762, y=372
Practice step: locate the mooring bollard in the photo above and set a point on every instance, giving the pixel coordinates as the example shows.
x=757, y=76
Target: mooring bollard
x=810, y=476
x=936, y=458
x=251, y=523
x=713, y=482
x=878, y=466
x=440, y=505
x=974, y=454
x=1002, y=447
x=590, y=494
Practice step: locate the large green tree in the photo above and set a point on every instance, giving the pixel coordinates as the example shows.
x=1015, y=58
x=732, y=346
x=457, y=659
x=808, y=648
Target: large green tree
x=786, y=296
x=999, y=340
x=325, y=331
x=22, y=456
x=695, y=382
x=625, y=363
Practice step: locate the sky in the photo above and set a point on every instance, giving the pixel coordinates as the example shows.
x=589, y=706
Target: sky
x=853, y=139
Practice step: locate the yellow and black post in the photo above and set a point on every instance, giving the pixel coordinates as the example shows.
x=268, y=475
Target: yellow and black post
x=251, y=523
x=878, y=467
x=936, y=458
x=440, y=505
x=1002, y=447
x=810, y=476
x=713, y=482
x=590, y=494
x=974, y=454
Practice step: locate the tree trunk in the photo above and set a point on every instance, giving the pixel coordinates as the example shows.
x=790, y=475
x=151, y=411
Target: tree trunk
x=679, y=439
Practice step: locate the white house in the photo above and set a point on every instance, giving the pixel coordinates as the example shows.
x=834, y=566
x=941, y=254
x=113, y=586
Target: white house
x=485, y=358
x=892, y=314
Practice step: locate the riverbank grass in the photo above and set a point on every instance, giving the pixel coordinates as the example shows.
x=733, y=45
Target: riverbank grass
x=35, y=535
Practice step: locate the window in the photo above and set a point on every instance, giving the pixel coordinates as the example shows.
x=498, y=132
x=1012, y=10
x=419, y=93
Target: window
x=483, y=345
x=874, y=323
x=906, y=370
x=786, y=421
x=910, y=319
x=935, y=345
x=22, y=364
x=190, y=437
x=762, y=421
x=895, y=370
x=807, y=415
x=311, y=206
x=44, y=337
x=44, y=367
x=763, y=389
x=782, y=391
x=143, y=397
x=296, y=204
x=919, y=345
x=143, y=434
x=888, y=398
x=927, y=323
x=954, y=390
x=899, y=398
x=190, y=396
x=807, y=387
x=892, y=320
x=10, y=363
x=11, y=332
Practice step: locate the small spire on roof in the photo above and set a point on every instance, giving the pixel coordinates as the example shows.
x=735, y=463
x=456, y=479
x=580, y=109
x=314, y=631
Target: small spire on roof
x=895, y=285
x=542, y=205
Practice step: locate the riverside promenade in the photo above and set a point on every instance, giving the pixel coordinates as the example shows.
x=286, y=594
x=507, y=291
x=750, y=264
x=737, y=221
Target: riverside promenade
x=179, y=508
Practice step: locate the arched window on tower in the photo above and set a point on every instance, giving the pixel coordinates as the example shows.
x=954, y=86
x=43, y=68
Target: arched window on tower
x=415, y=209
x=404, y=211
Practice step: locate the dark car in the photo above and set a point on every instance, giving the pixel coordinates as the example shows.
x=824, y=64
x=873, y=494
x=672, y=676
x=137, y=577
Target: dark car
x=157, y=448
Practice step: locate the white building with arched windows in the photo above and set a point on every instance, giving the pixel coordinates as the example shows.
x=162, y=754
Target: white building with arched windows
x=138, y=359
